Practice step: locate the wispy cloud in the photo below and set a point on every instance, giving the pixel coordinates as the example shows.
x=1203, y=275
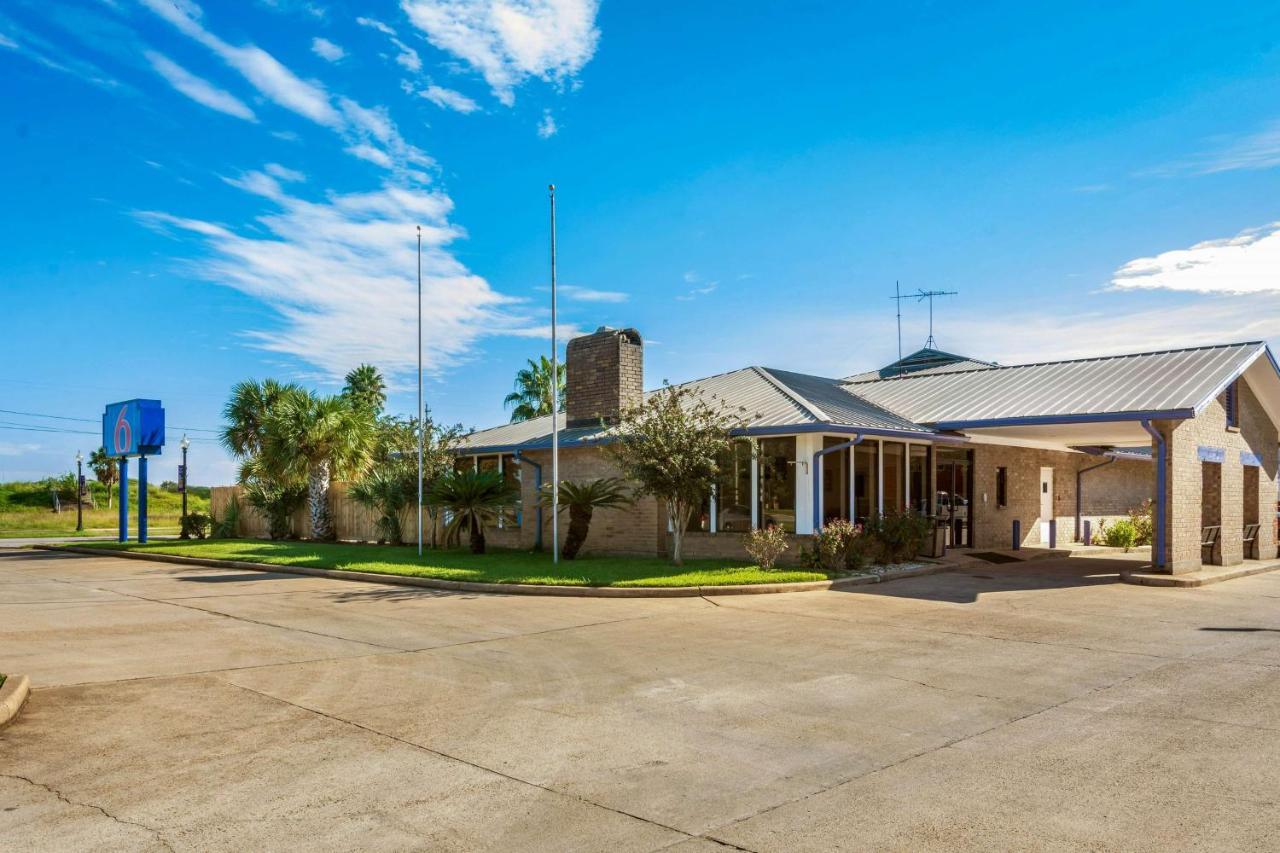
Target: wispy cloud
x=449, y=99
x=704, y=288
x=547, y=127
x=575, y=293
x=5, y=41
x=341, y=276
x=1251, y=151
x=284, y=173
x=1246, y=263
x=508, y=42
x=408, y=57
x=326, y=49
x=198, y=89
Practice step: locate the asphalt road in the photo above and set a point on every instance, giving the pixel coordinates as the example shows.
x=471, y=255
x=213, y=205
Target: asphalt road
x=1039, y=706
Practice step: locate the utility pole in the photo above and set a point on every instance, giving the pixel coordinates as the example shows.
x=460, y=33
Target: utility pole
x=422, y=425
x=555, y=398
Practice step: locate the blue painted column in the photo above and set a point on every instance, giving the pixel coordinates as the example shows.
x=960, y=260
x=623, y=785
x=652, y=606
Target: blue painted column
x=142, y=499
x=124, y=499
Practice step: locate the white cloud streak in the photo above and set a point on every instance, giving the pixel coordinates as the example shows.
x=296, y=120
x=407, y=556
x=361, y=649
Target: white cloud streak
x=575, y=293
x=547, y=127
x=198, y=89
x=1246, y=263
x=326, y=49
x=449, y=99
x=508, y=41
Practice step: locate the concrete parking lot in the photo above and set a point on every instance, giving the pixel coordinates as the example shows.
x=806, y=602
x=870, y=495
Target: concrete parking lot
x=1040, y=706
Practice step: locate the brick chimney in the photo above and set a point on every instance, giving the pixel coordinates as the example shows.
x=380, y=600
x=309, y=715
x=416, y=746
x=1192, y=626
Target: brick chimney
x=605, y=374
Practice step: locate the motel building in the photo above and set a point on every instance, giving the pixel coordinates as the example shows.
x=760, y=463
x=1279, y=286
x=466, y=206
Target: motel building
x=993, y=452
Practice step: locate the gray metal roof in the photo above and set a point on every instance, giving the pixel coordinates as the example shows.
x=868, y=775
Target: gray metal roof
x=830, y=402
x=1170, y=381
x=925, y=360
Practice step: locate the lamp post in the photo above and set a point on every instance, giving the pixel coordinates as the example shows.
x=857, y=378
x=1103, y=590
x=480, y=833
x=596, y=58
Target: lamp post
x=182, y=483
x=79, y=491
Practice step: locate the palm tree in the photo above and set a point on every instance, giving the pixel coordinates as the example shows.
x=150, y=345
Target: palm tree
x=313, y=438
x=474, y=498
x=104, y=469
x=275, y=501
x=247, y=409
x=532, y=396
x=582, y=500
x=387, y=488
x=365, y=387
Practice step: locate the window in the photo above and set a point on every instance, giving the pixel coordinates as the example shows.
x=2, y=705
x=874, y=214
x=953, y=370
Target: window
x=895, y=477
x=866, y=482
x=733, y=495
x=1002, y=487
x=835, y=481
x=921, y=494
x=510, y=515
x=778, y=483
x=1231, y=403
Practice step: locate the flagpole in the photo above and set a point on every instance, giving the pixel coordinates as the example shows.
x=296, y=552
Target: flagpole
x=422, y=425
x=555, y=398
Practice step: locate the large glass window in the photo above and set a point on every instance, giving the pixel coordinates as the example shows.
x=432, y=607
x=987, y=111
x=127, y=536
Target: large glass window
x=866, y=481
x=778, y=483
x=895, y=476
x=921, y=494
x=733, y=497
x=835, y=481
x=510, y=515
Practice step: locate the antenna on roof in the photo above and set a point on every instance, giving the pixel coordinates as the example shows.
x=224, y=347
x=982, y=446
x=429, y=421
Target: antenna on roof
x=898, y=297
x=929, y=294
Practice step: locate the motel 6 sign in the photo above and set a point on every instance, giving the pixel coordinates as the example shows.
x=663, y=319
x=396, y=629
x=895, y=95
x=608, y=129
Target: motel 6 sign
x=133, y=428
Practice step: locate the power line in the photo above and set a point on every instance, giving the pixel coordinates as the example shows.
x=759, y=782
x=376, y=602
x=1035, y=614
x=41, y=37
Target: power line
x=96, y=420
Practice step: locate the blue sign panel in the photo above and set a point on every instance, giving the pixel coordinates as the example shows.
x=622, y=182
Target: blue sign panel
x=1250, y=460
x=1212, y=454
x=133, y=428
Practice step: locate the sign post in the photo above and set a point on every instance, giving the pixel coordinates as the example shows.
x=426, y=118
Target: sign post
x=133, y=428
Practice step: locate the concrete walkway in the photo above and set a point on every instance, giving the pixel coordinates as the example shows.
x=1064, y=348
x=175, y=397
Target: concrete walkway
x=1034, y=706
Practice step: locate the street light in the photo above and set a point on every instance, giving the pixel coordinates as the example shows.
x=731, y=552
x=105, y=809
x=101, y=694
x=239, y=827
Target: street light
x=182, y=483
x=79, y=491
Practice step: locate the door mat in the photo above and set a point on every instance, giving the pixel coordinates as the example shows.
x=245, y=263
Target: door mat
x=993, y=557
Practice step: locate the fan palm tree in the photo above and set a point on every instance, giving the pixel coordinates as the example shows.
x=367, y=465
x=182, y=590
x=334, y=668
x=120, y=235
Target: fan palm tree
x=365, y=387
x=473, y=498
x=276, y=501
x=105, y=470
x=305, y=437
x=582, y=500
x=386, y=488
x=247, y=409
x=532, y=395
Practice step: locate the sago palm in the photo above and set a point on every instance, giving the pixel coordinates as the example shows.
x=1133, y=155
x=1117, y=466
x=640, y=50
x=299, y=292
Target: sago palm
x=582, y=500
x=532, y=396
x=473, y=498
x=313, y=438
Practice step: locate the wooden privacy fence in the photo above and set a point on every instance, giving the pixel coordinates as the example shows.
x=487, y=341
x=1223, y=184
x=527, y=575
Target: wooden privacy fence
x=350, y=519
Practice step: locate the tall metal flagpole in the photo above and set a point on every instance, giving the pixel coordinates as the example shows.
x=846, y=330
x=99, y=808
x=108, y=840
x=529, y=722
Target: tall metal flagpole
x=555, y=398
x=422, y=425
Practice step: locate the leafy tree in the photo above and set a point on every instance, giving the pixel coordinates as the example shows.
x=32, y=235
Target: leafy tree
x=474, y=498
x=673, y=445
x=582, y=500
x=306, y=437
x=366, y=388
x=246, y=411
x=106, y=471
x=532, y=395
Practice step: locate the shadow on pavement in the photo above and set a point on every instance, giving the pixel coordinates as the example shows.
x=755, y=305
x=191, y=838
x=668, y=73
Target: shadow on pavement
x=965, y=586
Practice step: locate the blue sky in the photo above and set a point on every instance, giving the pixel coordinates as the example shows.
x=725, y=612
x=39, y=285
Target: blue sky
x=201, y=193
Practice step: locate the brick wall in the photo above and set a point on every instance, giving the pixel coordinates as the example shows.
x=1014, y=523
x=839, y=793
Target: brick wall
x=604, y=375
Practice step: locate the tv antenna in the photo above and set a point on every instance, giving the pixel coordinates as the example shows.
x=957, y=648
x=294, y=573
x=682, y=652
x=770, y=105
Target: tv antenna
x=920, y=295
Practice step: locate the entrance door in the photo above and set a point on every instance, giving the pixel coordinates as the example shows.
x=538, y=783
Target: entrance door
x=1046, y=503
x=952, y=474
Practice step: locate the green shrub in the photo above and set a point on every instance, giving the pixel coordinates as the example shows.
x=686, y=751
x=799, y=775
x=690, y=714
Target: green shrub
x=195, y=525
x=229, y=525
x=1140, y=518
x=766, y=545
x=1121, y=534
x=898, y=536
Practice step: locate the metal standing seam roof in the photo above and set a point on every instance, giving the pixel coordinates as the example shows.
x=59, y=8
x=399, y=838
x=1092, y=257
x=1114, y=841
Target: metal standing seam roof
x=1169, y=381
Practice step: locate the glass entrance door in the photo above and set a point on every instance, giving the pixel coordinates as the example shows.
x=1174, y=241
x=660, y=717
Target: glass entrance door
x=954, y=475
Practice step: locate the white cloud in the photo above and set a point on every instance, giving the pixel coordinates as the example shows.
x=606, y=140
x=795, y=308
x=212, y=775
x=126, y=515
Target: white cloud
x=375, y=24
x=408, y=57
x=587, y=294
x=10, y=448
x=1246, y=263
x=326, y=49
x=5, y=41
x=547, y=127
x=449, y=99
x=341, y=275
x=198, y=89
x=371, y=153
x=507, y=41
x=1259, y=150
x=284, y=173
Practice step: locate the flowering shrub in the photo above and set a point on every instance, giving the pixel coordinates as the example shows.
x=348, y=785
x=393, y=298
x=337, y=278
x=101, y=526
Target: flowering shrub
x=1140, y=518
x=766, y=545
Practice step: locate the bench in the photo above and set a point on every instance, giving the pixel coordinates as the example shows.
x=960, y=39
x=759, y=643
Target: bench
x=1250, y=541
x=1208, y=542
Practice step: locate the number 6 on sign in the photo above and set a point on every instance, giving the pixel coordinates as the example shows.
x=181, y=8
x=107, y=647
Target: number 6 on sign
x=123, y=434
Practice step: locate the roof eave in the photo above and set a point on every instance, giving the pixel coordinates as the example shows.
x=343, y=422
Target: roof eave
x=1052, y=420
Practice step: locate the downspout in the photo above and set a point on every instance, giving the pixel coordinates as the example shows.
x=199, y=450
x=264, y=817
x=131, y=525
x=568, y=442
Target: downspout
x=1079, y=478
x=1162, y=452
x=817, y=478
x=537, y=487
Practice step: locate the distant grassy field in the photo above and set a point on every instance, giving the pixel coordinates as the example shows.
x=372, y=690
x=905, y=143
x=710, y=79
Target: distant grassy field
x=26, y=509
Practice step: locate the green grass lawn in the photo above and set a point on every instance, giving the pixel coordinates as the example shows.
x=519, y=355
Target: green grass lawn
x=495, y=567
x=26, y=510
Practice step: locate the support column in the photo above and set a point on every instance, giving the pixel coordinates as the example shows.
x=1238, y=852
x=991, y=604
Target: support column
x=123, y=503
x=142, y=499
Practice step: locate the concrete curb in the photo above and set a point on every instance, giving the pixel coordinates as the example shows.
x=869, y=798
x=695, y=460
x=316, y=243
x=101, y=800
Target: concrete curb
x=13, y=695
x=1195, y=579
x=515, y=588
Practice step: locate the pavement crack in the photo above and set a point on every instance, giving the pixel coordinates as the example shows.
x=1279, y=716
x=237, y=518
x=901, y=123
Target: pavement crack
x=155, y=833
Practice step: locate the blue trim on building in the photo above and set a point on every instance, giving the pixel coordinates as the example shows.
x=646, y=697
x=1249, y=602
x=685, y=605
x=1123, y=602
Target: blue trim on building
x=1211, y=454
x=1051, y=420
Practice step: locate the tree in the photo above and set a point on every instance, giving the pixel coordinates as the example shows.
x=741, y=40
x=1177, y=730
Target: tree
x=672, y=445
x=582, y=500
x=474, y=498
x=306, y=437
x=104, y=468
x=246, y=411
x=393, y=469
x=366, y=388
x=276, y=501
x=532, y=395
